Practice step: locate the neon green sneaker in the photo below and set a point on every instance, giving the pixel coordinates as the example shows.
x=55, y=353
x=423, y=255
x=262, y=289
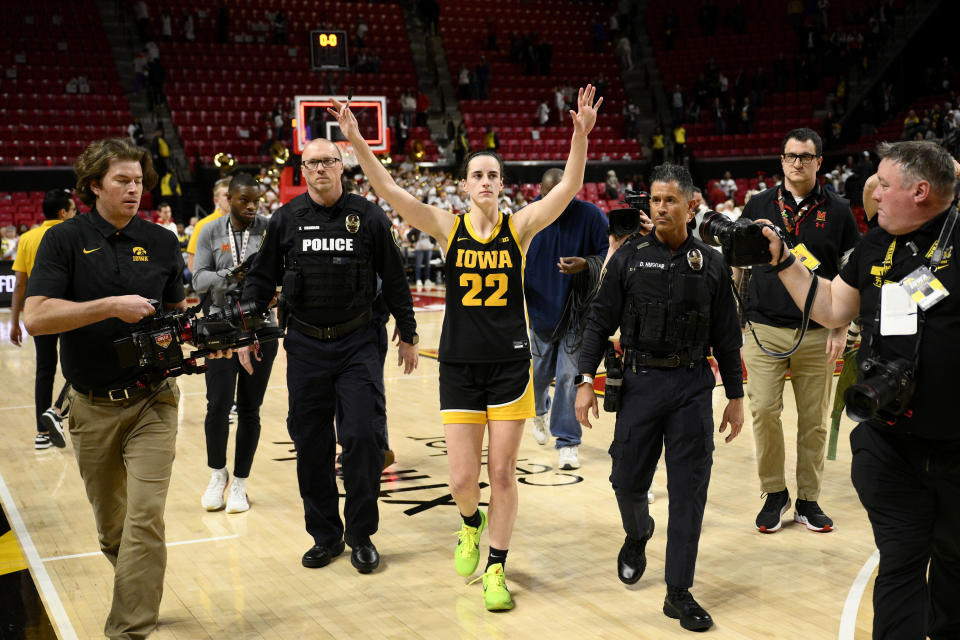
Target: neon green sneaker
x=496, y=597
x=467, y=555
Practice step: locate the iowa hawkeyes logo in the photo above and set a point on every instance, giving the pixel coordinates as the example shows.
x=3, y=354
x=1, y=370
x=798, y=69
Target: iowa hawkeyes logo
x=140, y=255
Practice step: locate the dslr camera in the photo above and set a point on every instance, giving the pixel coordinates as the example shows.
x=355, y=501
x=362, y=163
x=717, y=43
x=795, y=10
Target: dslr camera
x=626, y=222
x=155, y=342
x=741, y=241
x=887, y=387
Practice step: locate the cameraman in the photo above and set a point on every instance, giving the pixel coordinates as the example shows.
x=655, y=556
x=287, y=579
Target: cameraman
x=821, y=227
x=96, y=274
x=906, y=464
x=223, y=246
x=670, y=295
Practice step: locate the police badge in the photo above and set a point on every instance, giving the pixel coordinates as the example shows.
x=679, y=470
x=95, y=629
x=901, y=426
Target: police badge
x=353, y=223
x=695, y=259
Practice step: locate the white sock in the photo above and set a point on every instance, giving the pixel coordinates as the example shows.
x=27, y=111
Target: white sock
x=222, y=473
x=240, y=483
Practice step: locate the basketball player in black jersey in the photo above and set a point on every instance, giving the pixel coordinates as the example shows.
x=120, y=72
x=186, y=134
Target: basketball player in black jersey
x=485, y=375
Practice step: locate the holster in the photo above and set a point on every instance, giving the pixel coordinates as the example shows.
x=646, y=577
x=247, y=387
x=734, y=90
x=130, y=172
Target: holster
x=613, y=363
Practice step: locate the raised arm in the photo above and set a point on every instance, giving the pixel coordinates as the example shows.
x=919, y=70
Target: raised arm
x=536, y=216
x=432, y=220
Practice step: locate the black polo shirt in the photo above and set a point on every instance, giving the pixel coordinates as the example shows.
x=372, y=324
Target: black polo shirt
x=933, y=405
x=87, y=258
x=827, y=229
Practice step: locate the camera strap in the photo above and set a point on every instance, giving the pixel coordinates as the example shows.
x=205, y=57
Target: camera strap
x=807, y=306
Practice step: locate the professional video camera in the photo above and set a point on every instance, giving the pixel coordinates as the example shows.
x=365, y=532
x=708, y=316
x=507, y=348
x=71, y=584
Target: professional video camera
x=742, y=241
x=887, y=388
x=626, y=222
x=155, y=343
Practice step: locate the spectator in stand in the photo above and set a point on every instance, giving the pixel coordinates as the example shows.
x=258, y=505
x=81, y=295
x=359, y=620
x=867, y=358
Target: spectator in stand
x=482, y=74
x=165, y=217
x=491, y=141
x=188, y=33
x=159, y=150
x=543, y=114
x=676, y=103
x=135, y=131
x=422, y=254
x=166, y=26
x=728, y=184
x=624, y=54
x=612, y=186
x=658, y=146
x=423, y=108
x=58, y=205
x=362, y=30
x=463, y=83
x=461, y=144
x=719, y=117
x=746, y=116
x=140, y=69
x=679, y=143
x=141, y=12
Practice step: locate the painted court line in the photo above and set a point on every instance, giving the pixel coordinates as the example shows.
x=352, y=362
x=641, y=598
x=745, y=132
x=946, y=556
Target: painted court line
x=848, y=621
x=169, y=544
x=47, y=590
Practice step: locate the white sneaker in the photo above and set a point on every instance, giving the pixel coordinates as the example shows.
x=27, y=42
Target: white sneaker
x=237, y=499
x=212, y=499
x=540, y=433
x=567, y=458
x=419, y=285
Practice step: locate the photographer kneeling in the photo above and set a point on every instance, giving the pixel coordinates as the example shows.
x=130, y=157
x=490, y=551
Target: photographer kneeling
x=906, y=449
x=96, y=274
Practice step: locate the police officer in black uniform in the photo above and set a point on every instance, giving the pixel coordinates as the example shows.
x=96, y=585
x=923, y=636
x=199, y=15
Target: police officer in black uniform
x=906, y=449
x=670, y=295
x=326, y=248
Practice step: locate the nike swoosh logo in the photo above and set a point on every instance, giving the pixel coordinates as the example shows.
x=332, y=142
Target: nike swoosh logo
x=92, y=250
x=462, y=239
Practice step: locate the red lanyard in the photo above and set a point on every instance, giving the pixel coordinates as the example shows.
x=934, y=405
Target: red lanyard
x=787, y=221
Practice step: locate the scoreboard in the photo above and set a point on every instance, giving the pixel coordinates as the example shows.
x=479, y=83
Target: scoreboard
x=328, y=50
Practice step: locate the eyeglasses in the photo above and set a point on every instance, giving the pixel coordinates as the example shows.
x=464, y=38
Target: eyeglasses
x=327, y=163
x=804, y=158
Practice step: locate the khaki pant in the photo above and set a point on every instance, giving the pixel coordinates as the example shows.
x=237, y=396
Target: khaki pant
x=812, y=379
x=125, y=451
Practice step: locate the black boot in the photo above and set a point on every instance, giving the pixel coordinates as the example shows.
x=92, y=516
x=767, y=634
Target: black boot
x=632, y=561
x=680, y=605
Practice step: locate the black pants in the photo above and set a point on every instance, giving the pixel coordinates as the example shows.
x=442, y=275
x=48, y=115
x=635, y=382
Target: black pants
x=326, y=378
x=670, y=409
x=911, y=491
x=225, y=377
x=46, y=349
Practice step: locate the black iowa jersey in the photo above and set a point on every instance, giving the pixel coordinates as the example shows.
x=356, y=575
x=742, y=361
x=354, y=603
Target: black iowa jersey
x=486, y=316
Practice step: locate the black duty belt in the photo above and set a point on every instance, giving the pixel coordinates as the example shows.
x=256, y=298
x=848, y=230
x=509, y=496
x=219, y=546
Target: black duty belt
x=635, y=358
x=118, y=394
x=334, y=332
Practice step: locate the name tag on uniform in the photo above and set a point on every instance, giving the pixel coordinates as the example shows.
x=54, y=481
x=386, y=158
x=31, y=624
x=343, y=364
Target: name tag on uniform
x=898, y=311
x=806, y=258
x=924, y=288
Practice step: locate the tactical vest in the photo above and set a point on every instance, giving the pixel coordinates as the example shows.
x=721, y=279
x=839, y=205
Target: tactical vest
x=667, y=311
x=332, y=259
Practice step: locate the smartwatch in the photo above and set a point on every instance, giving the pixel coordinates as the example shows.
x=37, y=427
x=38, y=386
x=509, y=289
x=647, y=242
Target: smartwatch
x=581, y=378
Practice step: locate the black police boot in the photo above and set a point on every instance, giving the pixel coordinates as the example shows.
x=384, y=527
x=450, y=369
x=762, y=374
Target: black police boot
x=632, y=561
x=320, y=555
x=364, y=557
x=680, y=605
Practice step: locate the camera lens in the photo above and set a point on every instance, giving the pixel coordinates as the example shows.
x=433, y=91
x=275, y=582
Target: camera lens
x=862, y=402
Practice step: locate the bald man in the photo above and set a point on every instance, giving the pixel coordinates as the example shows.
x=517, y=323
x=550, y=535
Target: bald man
x=327, y=248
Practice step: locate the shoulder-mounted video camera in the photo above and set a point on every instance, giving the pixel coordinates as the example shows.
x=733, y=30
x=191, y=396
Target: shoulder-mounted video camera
x=156, y=341
x=626, y=222
x=741, y=241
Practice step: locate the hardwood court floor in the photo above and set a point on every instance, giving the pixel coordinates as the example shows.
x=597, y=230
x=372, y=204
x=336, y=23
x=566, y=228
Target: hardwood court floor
x=239, y=576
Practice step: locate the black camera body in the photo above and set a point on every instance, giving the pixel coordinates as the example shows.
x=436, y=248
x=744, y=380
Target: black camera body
x=156, y=341
x=626, y=221
x=742, y=240
x=886, y=387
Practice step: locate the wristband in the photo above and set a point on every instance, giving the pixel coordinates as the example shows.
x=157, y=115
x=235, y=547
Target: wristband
x=785, y=264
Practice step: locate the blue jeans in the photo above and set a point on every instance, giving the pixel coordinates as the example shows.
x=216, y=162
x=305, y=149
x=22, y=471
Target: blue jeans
x=421, y=262
x=552, y=359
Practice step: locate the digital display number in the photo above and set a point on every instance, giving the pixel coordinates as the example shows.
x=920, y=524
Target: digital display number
x=328, y=50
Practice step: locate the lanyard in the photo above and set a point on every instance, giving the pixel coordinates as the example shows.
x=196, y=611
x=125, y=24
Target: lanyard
x=787, y=221
x=238, y=258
